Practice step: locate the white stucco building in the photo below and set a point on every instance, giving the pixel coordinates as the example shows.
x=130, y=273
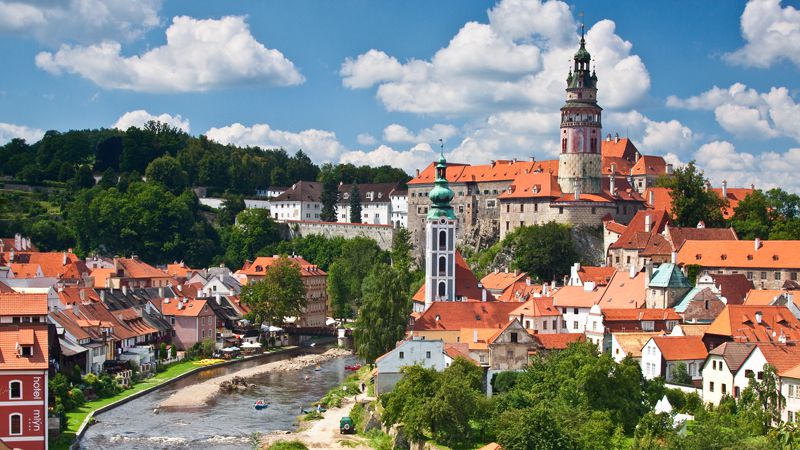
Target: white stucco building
x=661, y=355
x=426, y=353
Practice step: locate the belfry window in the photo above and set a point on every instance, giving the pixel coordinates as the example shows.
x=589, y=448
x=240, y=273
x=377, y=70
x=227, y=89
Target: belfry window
x=442, y=240
x=442, y=266
x=442, y=289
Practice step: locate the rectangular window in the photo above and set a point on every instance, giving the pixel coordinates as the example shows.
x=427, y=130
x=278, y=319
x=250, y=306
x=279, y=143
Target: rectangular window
x=491, y=203
x=791, y=391
x=514, y=338
x=763, y=275
x=508, y=208
x=574, y=310
x=749, y=275
x=555, y=323
x=724, y=389
x=794, y=276
x=428, y=355
x=535, y=207
x=402, y=355
x=544, y=325
x=461, y=209
x=561, y=210
x=574, y=324
x=710, y=386
x=713, y=365
x=508, y=225
x=777, y=275
x=26, y=350
x=563, y=324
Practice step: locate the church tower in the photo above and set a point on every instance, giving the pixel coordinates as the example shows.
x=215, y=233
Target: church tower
x=440, y=241
x=579, y=164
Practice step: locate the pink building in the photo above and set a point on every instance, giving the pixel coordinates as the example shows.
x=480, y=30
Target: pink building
x=193, y=320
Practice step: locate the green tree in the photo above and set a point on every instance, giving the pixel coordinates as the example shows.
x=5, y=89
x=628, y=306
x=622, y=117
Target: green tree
x=383, y=315
x=66, y=172
x=109, y=179
x=231, y=207
x=456, y=403
x=162, y=351
x=355, y=205
x=751, y=217
x=681, y=375
x=402, y=253
x=167, y=171
x=691, y=201
x=545, y=251
x=173, y=351
x=523, y=429
x=280, y=294
x=347, y=273
x=328, y=198
x=83, y=178
x=253, y=232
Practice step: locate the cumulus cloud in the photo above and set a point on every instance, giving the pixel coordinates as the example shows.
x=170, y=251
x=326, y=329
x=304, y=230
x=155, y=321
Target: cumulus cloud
x=743, y=111
x=9, y=131
x=653, y=136
x=140, y=117
x=410, y=160
x=199, y=55
x=320, y=145
x=399, y=133
x=366, y=139
x=516, y=61
x=721, y=161
x=84, y=21
x=771, y=34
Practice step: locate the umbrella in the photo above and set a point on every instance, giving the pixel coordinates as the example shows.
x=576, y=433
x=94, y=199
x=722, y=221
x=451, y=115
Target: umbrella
x=251, y=345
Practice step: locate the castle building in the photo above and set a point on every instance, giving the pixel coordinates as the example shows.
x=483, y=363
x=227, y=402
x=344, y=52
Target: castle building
x=592, y=179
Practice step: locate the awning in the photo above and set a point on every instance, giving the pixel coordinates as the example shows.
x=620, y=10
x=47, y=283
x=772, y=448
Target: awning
x=70, y=349
x=251, y=345
x=270, y=328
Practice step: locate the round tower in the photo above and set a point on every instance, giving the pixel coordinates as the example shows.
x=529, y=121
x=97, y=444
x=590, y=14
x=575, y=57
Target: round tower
x=579, y=163
x=440, y=241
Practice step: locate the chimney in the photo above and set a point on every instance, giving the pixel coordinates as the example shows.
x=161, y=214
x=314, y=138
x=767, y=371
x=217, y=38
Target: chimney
x=616, y=138
x=483, y=295
x=124, y=289
x=674, y=258
x=148, y=308
x=588, y=286
x=417, y=172
x=11, y=256
x=527, y=281
x=102, y=295
x=506, y=269
x=553, y=285
x=707, y=186
x=612, y=182
x=28, y=244
x=651, y=198
x=648, y=272
x=632, y=273
x=636, y=157
x=647, y=223
x=82, y=295
x=180, y=288
x=757, y=243
x=18, y=241
x=64, y=259
x=516, y=272
x=724, y=189
x=544, y=290
x=474, y=335
x=76, y=309
x=701, y=224
x=161, y=292
x=608, y=137
x=753, y=187
x=758, y=317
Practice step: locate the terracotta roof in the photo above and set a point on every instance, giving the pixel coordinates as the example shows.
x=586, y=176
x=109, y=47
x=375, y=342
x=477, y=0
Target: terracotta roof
x=519, y=292
x=536, y=307
x=599, y=275
x=36, y=335
x=734, y=196
x=499, y=281
x=632, y=343
x=305, y=191
x=53, y=264
x=781, y=357
x=492, y=446
x=533, y=185
x=681, y=348
x=25, y=270
x=619, y=148
x=180, y=270
x=260, y=265
x=4, y=289
x=101, y=275
x=191, y=308
x=635, y=235
x=757, y=297
x=577, y=296
x=739, y=322
x=621, y=165
x=656, y=244
x=694, y=329
x=733, y=353
x=649, y=165
x=741, y=254
x=70, y=295
x=97, y=314
x=679, y=235
x=502, y=170
x=457, y=315
x=466, y=282
x=615, y=227
x=136, y=268
x=794, y=372
x=734, y=287
x=63, y=319
x=458, y=350
x=559, y=341
x=134, y=321
x=15, y=304
x=624, y=292
x=627, y=314
x=467, y=335
x=662, y=201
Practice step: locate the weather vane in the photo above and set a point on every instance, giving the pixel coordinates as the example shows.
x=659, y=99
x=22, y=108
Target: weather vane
x=580, y=14
x=441, y=145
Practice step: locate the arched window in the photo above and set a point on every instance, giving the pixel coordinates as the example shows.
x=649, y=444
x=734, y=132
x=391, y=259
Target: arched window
x=442, y=289
x=442, y=240
x=15, y=423
x=442, y=266
x=15, y=389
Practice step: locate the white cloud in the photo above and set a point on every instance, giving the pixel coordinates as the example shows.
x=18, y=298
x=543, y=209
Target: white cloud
x=516, y=61
x=199, y=55
x=85, y=21
x=140, y=117
x=398, y=133
x=418, y=157
x=320, y=145
x=653, y=136
x=9, y=131
x=721, y=161
x=771, y=34
x=745, y=112
x=366, y=139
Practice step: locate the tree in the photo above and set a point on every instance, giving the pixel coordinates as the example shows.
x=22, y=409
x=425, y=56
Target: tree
x=522, y=429
x=355, y=205
x=279, y=295
x=173, y=351
x=83, y=178
x=328, y=198
x=456, y=402
x=162, y=351
x=751, y=218
x=546, y=251
x=402, y=250
x=347, y=274
x=681, y=375
x=231, y=207
x=167, y=171
x=253, y=232
x=109, y=179
x=691, y=201
x=383, y=315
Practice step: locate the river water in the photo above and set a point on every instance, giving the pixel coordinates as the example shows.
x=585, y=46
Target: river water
x=226, y=423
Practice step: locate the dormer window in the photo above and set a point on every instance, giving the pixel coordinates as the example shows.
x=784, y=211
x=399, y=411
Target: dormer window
x=774, y=257
x=25, y=350
x=749, y=257
x=698, y=256
x=723, y=257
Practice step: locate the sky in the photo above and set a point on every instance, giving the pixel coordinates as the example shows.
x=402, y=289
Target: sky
x=380, y=82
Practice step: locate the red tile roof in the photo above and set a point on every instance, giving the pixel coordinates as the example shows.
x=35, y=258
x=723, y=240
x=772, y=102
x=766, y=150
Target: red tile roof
x=136, y=268
x=626, y=314
x=34, y=334
x=734, y=287
x=734, y=196
x=681, y=348
x=500, y=281
x=741, y=254
x=576, y=296
x=101, y=275
x=615, y=227
x=67, y=320
x=781, y=357
x=260, y=265
x=662, y=201
x=15, y=304
x=533, y=185
x=739, y=323
x=598, y=275
x=635, y=236
x=650, y=165
x=4, y=289
x=624, y=292
x=454, y=316
x=53, y=264
x=519, y=292
x=191, y=308
x=466, y=282
x=618, y=148
x=502, y=170
x=559, y=341
x=679, y=235
x=71, y=295
x=536, y=307
x=25, y=270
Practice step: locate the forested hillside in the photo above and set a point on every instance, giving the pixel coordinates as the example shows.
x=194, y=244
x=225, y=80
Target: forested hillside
x=143, y=201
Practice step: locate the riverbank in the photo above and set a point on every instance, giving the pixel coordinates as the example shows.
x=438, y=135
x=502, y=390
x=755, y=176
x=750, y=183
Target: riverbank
x=322, y=433
x=198, y=395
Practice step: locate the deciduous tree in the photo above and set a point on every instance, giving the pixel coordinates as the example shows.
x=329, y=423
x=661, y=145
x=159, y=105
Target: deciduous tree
x=383, y=314
x=279, y=295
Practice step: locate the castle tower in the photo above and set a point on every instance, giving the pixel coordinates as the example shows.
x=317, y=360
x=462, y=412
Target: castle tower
x=580, y=159
x=440, y=241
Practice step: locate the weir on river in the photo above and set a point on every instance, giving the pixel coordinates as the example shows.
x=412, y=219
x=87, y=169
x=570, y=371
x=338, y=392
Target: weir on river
x=227, y=422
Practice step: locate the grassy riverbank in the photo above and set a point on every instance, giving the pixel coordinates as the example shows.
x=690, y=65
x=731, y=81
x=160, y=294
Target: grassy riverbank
x=76, y=418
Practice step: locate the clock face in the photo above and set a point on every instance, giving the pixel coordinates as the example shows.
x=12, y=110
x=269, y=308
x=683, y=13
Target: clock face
x=443, y=221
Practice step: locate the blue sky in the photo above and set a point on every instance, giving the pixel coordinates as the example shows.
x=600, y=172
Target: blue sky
x=380, y=82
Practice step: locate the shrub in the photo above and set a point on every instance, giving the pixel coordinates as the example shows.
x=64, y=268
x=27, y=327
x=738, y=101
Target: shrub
x=288, y=445
x=173, y=351
x=77, y=396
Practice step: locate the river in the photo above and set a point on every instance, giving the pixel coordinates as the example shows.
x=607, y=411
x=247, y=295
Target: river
x=226, y=423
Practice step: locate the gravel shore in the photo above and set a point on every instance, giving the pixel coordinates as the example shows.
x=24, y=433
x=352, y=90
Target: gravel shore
x=199, y=394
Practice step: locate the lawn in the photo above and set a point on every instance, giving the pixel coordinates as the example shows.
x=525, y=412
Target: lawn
x=76, y=418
